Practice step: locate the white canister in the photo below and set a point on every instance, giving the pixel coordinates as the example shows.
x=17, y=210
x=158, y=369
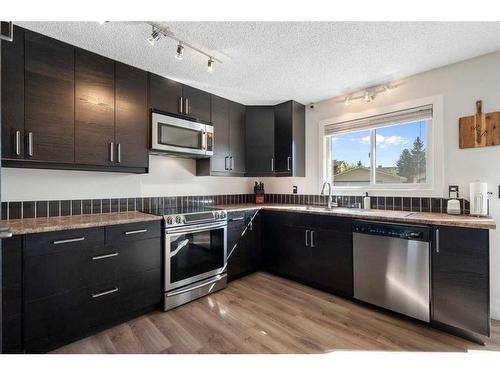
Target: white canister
x=478, y=198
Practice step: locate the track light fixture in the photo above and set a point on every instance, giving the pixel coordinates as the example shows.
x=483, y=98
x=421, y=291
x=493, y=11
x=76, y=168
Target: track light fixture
x=180, y=51
x=369, y=94
x=210, y=66
x=154, y=37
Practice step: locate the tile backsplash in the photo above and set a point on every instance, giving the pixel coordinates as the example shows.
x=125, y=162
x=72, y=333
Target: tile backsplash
x=31, y=209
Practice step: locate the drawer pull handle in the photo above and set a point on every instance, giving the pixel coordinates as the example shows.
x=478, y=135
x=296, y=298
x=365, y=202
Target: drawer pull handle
x=136, y=231
x=78, y=239
x=104, y=256
x=237, y=218
x=111, y=291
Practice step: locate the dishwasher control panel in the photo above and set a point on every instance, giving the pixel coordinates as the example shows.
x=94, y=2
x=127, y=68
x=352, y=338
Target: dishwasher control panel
x=406, y=232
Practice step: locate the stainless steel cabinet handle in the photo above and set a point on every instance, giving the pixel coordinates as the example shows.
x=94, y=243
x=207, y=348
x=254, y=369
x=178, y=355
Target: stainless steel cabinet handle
x=437, y=240
x=272, y=164
x=204, y=140
x=225, y=163
x=313, y=244
x=288, y=159
x=6, y=232
x=181, y=105
x=237, y=219
x=30, y=144
x=136, y=231
x=307, y=237
x=97, y=295
x=18, y=143
x=186, y=106
x=78, y=239
x=231, y=163
x=111, y=151
x=104, y=256
x=119, y=153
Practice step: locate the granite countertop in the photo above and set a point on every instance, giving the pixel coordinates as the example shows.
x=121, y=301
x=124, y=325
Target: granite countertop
x=465, y=221
x=52, y=224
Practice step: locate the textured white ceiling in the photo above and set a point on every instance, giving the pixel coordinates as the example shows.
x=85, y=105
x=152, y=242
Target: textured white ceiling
x=270, y=62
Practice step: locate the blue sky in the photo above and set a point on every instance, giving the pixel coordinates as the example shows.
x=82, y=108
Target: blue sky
x=391, y=141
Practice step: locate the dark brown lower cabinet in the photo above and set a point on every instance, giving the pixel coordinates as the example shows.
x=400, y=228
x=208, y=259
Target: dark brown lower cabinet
x=60, y=286
x=460, y=279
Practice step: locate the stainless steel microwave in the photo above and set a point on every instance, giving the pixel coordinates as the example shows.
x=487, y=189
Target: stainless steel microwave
x=180, y=137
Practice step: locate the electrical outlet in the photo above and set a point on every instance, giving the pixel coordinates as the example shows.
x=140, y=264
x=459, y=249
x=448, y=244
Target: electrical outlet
x=294, y=189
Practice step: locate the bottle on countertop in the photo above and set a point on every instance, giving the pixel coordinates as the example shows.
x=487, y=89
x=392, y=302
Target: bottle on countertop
x=367, y=202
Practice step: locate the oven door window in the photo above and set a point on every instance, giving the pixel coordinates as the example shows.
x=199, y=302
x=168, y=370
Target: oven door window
x=193, y=254
x=171, y=135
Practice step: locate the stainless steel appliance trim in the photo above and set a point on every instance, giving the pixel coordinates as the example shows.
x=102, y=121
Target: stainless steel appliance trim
x=167, y=249
x=119, y=153
x=307, y=237
x=6, y=232
x=157, y=118
x=111, y=151
x=104, y=256
x=60, y=242
x=18, y=142
x=129, y=232
x=198, y=286
x=105, y=293
x=392, y=273
x=437, y=240
x=30, y=144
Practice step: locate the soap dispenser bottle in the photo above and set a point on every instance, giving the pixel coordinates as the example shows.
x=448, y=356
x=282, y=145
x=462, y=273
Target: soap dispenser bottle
x=366, y=202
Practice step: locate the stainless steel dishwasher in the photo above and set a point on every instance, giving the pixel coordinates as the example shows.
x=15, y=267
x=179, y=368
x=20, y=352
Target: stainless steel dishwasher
x=391, y=267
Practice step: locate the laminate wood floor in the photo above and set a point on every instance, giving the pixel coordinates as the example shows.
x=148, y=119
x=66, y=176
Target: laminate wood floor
x=263, y=313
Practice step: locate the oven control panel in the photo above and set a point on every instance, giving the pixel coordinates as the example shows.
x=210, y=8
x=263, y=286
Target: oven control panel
x=195, y=218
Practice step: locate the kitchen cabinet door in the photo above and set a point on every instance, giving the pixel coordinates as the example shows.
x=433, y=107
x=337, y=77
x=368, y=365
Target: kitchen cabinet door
x=294, y=252
x=259, y=140
x=331, y=261
x=49, y=99
x=197, y=103
x=237, y=137
x=460, y=279
x=13, y=95
x=165, y=94
x=94, y=109
x=289, y=139
x=11, y=294
x=131, y=116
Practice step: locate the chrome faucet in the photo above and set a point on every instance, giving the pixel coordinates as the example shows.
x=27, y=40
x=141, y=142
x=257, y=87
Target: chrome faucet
x=330, y=201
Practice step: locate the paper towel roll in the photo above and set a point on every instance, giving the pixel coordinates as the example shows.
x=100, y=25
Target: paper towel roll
x=479, y=198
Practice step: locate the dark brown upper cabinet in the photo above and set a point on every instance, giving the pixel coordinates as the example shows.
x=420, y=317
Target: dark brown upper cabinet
x=259, y=137
x=13, y=95
x=289, y=139
x=49, y=99
x=94, y=109
x=228, y=120
x=131, y=121
x=170, y=96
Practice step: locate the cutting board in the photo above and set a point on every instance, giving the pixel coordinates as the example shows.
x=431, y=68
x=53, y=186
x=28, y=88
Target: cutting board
x=480, y=130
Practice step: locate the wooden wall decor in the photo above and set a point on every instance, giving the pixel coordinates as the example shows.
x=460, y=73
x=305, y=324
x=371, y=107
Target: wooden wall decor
x=479, y=130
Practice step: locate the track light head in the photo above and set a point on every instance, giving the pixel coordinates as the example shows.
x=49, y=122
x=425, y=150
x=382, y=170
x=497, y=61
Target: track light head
x=155, y=36
x=210, y=66
x=180, y=51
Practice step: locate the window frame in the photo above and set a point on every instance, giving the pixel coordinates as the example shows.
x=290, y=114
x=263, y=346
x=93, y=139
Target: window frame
x=434, y=166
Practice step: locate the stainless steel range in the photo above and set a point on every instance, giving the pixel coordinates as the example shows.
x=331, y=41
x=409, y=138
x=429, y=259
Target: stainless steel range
x=195, y=255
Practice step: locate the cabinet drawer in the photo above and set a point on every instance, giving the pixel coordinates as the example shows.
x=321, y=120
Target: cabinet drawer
x=132, y=232
x=236, y=219
x=67, y=240
x=53, y=321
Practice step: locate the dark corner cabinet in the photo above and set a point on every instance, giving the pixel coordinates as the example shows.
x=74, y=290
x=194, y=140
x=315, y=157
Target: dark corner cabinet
x=275, y=140
x=228, y=120
x=244, y=236
x=67, y=108
x=460, y=279
x=313, y=249
x=174, y=97
x=77, y=282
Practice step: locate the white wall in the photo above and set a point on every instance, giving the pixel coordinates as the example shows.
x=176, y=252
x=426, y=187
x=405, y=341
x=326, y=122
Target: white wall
x=168, y=176
x=460, y=85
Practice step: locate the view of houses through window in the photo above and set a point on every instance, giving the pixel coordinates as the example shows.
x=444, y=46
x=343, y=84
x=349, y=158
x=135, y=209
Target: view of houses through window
x=397, y=157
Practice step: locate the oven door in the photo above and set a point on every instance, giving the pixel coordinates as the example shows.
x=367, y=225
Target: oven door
x=194, y=253
x=175, y=135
